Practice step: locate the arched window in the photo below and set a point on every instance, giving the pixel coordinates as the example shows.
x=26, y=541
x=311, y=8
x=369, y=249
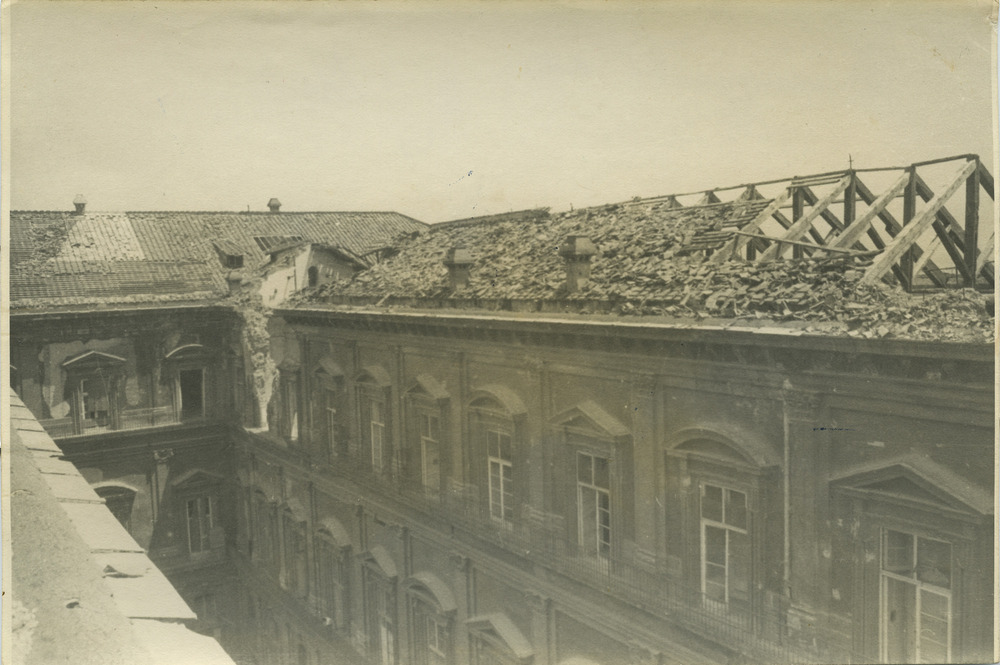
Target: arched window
x=379, y=572
x=313, y=275
x=295, y=569
x=119, y=500
x=720, y=535
x=185, y=366
x=432, y=614
x=496, y=417
x=332, y=553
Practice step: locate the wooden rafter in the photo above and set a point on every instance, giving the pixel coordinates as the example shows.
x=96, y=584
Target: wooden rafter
x=893, y=227
x=852, y=233
x=737, y=243
x=801, y=226
x=905, y=239
x=948, y=230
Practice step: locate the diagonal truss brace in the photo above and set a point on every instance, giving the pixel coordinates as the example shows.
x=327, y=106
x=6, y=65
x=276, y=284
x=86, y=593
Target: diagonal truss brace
x=853, y=233
x=905, y=239
x=739, y=242
x=801, y=226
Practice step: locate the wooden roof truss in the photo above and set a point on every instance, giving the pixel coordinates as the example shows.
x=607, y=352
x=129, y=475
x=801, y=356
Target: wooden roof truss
x=908, y=232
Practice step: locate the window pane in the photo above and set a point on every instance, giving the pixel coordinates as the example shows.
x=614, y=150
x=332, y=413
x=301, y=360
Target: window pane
x=933, y=627
x=588, y=520
x=493, y=444
x=715, y=545
x=900, y=621
x=934, y=562
x=739, y=566
x=505, y=452
x=898, y=555
x=715, y=582
x=601, y=473
x=736, y=509
x=584, y=468
x=711, y=502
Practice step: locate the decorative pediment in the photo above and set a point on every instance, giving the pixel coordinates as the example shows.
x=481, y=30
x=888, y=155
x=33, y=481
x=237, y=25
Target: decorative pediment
x=92, y=360
x=195, y=477
x=328, y=367
x=185, y=352
x=430, y=585
x=723, y=444
x=373, y=374
x=427, y=386
x=590, y=419
x=917, y=480
x=380, y=558
x=502, y=629
x=335, y=530
x=498, y=398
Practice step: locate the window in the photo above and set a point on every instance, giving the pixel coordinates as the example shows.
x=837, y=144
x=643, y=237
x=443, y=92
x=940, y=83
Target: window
x=119, y=501
x=431, y=634
x=295, y=578
x=376, y=434
x=327, y=407
x=916, y=599
x=725, y=545
x=330, y=405
x=430, y=451
x=290, y=404
x=501, y=475
x=200, y=521
x=265, y=531
x=313, y=275
x=190, y=384
x=374, y=418
x=380, y=601
x=93, y=386
x=593, y=489
x=331, y=581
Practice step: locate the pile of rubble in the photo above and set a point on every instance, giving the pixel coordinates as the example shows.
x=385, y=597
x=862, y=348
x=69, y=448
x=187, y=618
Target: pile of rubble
x=644, y=266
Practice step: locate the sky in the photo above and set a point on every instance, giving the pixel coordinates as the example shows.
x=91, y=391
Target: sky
x=448, y=110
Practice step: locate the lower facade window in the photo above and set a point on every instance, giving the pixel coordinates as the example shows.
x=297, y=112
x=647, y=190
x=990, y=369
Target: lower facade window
x=501, y=476
x=593, y=489
x=380, y=599
x=725, y=546
x=916, y=607
x=431, y=636
x=376, y=433
x=200, y=520
x=331, y=571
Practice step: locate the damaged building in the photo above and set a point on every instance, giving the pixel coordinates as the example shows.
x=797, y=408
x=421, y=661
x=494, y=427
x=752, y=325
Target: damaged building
x=753, y=424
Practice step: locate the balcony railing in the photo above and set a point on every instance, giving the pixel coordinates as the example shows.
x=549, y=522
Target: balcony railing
x=128, y=419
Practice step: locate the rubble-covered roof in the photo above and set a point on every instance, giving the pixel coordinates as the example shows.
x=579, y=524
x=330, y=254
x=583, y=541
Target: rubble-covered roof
x=650, y=261
x=63, y=258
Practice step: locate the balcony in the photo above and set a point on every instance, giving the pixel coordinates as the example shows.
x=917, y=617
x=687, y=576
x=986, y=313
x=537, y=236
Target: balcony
x=128, y=419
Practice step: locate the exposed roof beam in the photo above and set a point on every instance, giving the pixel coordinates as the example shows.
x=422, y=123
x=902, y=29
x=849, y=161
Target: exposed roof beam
x=852, y=233
x=911, y=232
x=986, y=179
x=947, y=229
x=733, y=246
x=801, y=226
x=893, y=227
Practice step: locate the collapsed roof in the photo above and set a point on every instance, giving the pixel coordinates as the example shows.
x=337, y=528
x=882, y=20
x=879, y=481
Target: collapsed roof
x=859, y=267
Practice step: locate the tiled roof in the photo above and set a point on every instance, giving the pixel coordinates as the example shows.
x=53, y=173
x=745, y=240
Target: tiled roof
x=61, y=258
x=650, y=261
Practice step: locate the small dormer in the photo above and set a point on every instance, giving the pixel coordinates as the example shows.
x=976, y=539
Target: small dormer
x=230, y=254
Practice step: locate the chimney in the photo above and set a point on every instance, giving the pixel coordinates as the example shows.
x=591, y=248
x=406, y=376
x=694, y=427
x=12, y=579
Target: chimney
x=80, y=203
x=577, y=250
x=274, y=205
x=459, y=263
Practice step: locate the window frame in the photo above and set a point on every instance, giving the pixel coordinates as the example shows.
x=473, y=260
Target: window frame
x=372, y=387
x=487, y=414
x=205, y=541
x=95, y=365
x=332, y=582
x=295, y=554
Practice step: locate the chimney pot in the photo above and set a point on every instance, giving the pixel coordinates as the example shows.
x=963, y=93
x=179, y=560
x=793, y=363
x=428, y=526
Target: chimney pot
x=274, y=205
x=577, y=251
x=459, y=264
x=80, y=204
